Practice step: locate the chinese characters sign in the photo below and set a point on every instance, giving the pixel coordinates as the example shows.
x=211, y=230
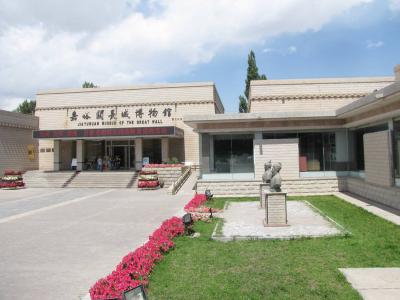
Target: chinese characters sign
x=130, y=116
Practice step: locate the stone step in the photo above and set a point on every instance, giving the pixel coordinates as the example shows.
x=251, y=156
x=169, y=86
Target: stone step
x=46, y=179
x=104, y=179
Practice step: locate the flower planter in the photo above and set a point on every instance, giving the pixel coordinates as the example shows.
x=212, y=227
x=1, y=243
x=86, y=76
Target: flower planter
x=12, y=180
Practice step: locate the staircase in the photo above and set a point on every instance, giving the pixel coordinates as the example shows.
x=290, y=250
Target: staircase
x=113, y=179
x=42, y=179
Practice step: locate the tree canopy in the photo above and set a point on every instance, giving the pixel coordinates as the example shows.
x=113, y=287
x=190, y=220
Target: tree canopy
x=27, y=107
x=88, y=84
x=252, y=74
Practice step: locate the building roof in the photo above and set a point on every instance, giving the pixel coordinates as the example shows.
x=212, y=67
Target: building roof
x=163, y=93
x=373, y=98
x=383, y=102
x=330, y=80
x=229, y=117
x=13, y=119
x=128, y=87
x=325, y=89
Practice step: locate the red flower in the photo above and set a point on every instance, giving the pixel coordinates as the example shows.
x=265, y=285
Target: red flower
x=197, y=201
x=135, y=268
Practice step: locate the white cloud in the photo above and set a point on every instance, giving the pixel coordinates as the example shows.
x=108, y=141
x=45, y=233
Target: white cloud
x=268, y=50
x=374, y=44
x=292, y=49
x=394, y=5
x=47, y=44
x=287, y=51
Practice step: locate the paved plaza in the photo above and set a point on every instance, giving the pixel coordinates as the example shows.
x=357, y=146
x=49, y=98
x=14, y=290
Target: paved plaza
x=245, y=220
x=55, y=243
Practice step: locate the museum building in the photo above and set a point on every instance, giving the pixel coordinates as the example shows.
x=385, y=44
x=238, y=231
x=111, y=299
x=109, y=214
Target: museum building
x=18, y=150
x=334, y=134
x=330, y=134
x=130, y=125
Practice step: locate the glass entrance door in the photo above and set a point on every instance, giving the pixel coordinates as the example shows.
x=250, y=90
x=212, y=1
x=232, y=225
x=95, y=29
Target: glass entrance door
x=120, y=154
x=119, y=157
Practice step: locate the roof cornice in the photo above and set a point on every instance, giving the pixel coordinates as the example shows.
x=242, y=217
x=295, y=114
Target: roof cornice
x=308, y=96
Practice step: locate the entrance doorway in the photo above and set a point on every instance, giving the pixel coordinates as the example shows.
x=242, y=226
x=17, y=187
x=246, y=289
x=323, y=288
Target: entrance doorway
x=152, y=150
x=120, y=155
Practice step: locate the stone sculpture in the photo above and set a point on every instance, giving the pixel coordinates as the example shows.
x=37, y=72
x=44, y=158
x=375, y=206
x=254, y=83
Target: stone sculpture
x=276, y=180
x=266, y=178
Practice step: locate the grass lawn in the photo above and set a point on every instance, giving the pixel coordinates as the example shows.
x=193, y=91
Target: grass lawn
x=202, y=268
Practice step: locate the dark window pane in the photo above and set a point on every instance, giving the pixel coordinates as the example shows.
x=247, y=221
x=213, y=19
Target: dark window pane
x=233, y=153
x=311, y=152
x=222, y=154
x=396, y=144
x=242, y=154
x=279, y=135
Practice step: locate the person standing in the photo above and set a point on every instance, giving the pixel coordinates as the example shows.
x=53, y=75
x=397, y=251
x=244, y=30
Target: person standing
x=74, y=164
x=99, y=164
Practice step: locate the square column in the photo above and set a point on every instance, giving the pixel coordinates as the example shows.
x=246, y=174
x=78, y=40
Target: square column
x=56, y=155
x=164, y=149
x=139, y=153
x=80, y=154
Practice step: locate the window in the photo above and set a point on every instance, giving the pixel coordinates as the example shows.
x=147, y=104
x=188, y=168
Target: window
x=233, y=153
x=396, y=146
x=317, y=151
x=279, y=135
x=356, y=145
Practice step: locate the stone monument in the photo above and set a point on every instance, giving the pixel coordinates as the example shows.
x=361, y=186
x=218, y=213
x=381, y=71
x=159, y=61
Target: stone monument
x=276, y=180
x=266, y=178
x=275, y=200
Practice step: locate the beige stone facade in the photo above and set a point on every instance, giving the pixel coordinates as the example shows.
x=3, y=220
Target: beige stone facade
x=285, y=151
x=336, y=134
x=88, y=111
x=378, y=160
x=18, y=150
x=311, y=94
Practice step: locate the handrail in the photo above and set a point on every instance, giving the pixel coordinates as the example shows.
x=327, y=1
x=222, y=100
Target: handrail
x=175, y=187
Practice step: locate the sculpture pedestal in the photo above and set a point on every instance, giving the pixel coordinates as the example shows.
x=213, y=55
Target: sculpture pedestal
x=275, y=209
x=264, y=187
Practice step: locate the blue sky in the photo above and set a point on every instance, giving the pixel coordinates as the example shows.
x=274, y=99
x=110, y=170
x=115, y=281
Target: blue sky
x=60, y=44
x=363, y=42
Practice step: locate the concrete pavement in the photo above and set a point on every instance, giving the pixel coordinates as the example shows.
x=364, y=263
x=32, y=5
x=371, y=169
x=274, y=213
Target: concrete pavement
x=55, y=243
x=375, y=283
x=373, y=208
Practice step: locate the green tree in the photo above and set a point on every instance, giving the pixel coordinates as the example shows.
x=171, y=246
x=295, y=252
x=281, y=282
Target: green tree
x=252, y=74
x=88, y=84
x=242, y=104
x=27, y=107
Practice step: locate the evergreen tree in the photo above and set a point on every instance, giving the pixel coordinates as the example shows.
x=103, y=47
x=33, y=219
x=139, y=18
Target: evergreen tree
x=242, y=104
x=88, y=84
x=252, y=74
x=27, y=107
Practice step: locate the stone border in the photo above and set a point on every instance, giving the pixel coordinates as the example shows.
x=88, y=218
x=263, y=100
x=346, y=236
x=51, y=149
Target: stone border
x=340, y=227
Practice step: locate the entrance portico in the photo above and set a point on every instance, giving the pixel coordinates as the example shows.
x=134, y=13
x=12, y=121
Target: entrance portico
x=117, y=150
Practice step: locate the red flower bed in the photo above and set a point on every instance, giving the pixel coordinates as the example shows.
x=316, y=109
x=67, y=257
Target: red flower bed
x=197, y=201
x=148, y=183
x=11, y=184
x=163, y=165
x=134, y=269
x=147, y=172
x=12, y=172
